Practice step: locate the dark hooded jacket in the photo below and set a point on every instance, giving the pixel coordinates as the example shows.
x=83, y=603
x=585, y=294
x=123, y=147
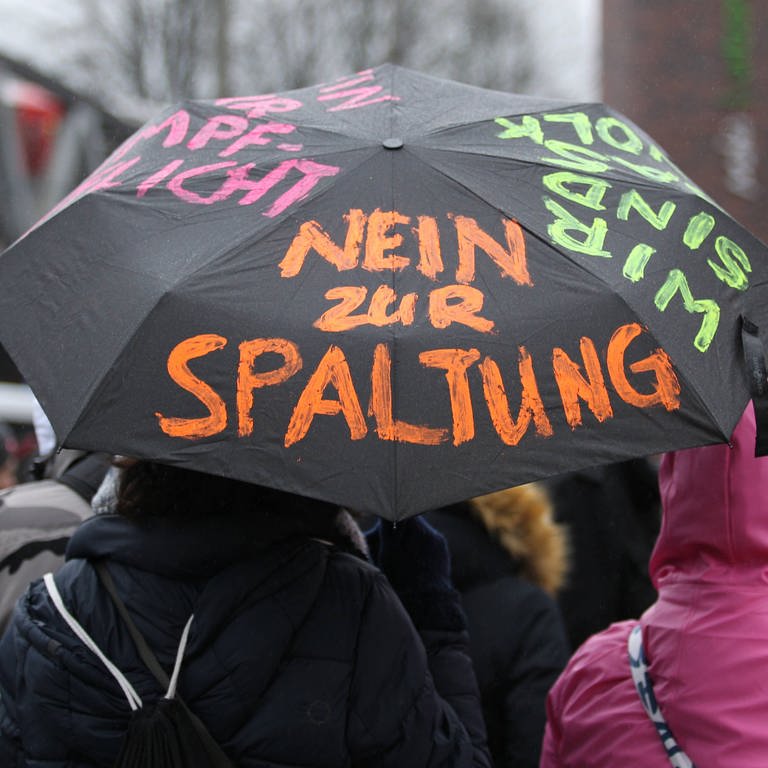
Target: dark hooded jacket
x=613, y=515
x=704, y=638
x=299, y=653
x=508, y=558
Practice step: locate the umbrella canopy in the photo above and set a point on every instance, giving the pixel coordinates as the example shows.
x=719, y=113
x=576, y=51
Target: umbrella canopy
x=391, y=291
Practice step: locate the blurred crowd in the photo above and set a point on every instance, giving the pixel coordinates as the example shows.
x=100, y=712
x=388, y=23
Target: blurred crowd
x=18, y=449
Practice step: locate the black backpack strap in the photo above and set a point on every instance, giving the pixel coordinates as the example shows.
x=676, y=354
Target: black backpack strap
x=215, y=752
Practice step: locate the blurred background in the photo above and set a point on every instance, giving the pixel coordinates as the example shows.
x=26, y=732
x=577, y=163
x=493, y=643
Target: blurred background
x=78, y=76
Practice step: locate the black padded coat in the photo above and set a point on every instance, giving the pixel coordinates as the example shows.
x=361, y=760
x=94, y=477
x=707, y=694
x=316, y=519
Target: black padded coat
x=299, y=654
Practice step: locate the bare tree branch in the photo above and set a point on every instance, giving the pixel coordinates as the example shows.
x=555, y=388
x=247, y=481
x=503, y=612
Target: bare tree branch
x=165, y=50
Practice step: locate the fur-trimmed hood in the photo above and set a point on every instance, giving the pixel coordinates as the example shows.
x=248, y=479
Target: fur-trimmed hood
x=510, y=531
x=521, y=519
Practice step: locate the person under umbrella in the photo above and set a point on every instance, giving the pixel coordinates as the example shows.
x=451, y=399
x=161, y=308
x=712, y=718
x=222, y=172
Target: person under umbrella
x=508, y=559
x=38, y=517
x=298, y=650
x=613, y=514
x=683, y=684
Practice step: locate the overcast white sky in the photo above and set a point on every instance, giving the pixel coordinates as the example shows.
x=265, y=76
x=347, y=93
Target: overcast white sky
x=567, y=34
x=568, y=47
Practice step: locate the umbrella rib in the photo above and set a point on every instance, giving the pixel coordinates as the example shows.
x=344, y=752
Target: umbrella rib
x=92, y=395
x=446, y=127
x=502, y=211
x=101, y=379
x=271, y=225
x=305, y=124
x=635, y=181
x=393, y=335
x=576, y=263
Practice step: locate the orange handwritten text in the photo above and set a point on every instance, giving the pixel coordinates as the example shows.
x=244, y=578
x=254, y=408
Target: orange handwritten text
x=376, y=238
x=450, y=304
x=331, y=391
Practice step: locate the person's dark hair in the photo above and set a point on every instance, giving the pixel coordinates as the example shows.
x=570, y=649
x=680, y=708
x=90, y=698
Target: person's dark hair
x=148, y=489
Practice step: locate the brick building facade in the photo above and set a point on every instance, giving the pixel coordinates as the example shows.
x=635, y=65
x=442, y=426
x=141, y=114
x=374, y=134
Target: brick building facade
x=694, y=75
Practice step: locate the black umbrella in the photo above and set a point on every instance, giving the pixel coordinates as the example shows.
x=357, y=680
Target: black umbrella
x=391, y=291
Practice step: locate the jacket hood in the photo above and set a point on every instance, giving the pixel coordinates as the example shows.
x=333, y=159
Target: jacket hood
x=704, y=637
x=508, y=532
x=521, y=520
x=200, y=547
x=715, y=511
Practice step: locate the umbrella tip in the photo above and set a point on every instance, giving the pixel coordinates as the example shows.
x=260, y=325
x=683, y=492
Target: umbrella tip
x=392, y=143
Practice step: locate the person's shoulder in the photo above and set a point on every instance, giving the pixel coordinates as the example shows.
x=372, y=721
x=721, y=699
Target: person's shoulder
x=601, y=658
x=597, y=681
x=41, y=503
x=348, y=571
x=346, y=562
x=40, y=639
x=36, y=608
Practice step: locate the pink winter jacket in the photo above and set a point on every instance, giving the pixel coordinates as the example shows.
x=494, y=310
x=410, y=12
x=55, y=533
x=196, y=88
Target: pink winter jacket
x=706, y=637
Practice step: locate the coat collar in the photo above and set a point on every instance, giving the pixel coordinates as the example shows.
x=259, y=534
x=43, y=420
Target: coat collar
x=197, y=547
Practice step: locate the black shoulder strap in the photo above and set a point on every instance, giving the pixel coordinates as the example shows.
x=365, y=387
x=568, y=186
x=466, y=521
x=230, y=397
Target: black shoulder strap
x=218, y=758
